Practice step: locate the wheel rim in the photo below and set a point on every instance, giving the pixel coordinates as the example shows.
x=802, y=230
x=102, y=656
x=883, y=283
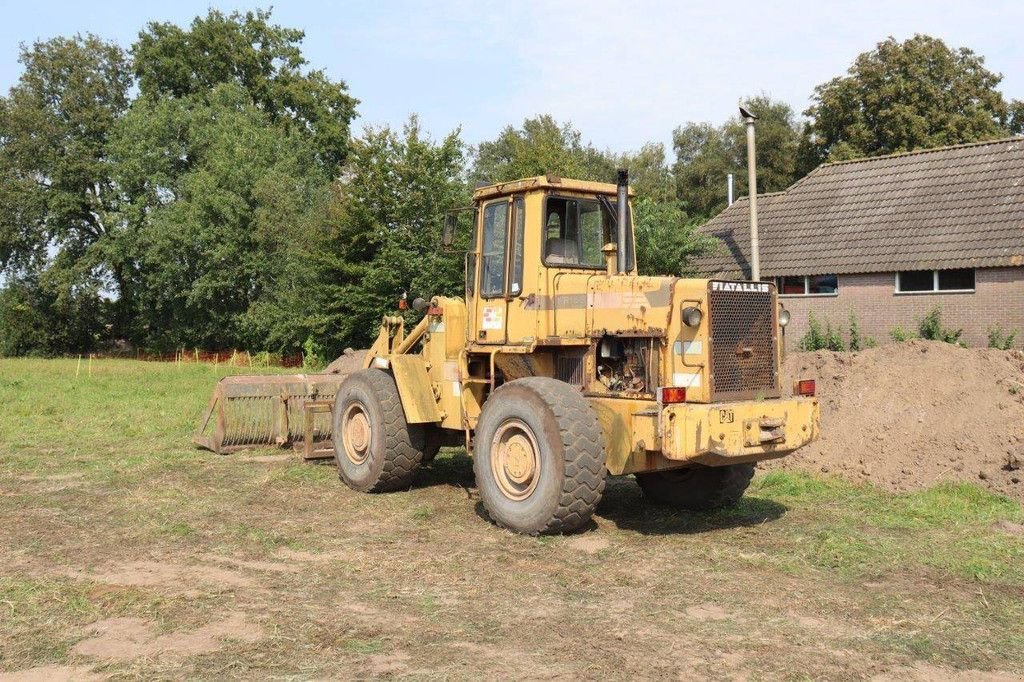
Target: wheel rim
x=356, y=433
x=515, y=459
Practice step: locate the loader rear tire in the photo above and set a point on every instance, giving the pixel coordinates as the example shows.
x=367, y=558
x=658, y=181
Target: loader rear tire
x=539, y=457
x=375, y=449
x=697, y=488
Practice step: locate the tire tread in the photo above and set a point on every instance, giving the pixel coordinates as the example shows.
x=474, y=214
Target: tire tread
x=583, y=447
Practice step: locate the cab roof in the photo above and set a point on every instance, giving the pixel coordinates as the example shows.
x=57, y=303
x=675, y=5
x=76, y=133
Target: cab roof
x=542, y=182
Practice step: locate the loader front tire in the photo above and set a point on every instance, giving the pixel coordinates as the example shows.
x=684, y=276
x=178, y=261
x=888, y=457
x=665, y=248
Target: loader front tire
x=697, y=488
x=375, y=449
x=539, y=457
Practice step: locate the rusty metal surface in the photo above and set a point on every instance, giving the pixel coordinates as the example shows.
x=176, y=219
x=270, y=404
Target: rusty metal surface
x=248, y=411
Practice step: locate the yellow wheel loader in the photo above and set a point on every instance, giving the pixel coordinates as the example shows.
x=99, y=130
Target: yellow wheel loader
x=561, y=365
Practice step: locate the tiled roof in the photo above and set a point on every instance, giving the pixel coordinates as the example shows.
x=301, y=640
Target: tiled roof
x=952, y=207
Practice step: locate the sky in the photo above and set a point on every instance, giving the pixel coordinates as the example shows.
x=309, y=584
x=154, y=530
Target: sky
x=624, y=73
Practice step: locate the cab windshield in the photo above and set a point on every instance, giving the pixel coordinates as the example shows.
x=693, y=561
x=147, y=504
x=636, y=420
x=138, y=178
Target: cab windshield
x=575, y=230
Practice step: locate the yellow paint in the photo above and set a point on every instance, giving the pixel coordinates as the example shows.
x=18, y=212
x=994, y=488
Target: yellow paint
x=557, y=310
x=418, y=400
x=727, y=433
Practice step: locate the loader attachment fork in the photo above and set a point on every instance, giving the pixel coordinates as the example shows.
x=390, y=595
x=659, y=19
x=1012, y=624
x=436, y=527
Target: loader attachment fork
x=267, y=411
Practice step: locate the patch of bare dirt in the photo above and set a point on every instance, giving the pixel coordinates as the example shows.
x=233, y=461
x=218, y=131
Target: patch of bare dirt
x=589, y=543
x=45, y=484
x=1009, y=527
x=907, y=415
x=270, y=566
x=122, y=639
x=386, y=665
x=52, y=673
x=707, y=612
x=170, y=577
x=265, y=459
x=934, y=673
x=347, y=362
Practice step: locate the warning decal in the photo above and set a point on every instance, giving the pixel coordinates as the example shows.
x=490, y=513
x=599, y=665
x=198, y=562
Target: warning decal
x=492, y=318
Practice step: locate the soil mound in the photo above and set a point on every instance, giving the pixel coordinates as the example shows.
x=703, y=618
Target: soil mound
x=907, y=415
x=346, y=363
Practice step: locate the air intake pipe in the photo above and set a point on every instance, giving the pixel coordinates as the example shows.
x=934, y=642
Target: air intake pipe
x=622, y=222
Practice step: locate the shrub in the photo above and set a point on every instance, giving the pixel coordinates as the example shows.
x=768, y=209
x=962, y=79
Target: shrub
x=930, y=327
x=856, y=342
x=814, y=339
x=833, y=339
x=997, y=338
x=899, y=334
x=818, y=338
x=313, y=355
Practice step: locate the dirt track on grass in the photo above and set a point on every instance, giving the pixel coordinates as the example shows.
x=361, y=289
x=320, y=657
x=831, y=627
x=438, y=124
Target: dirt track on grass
x=905, y=416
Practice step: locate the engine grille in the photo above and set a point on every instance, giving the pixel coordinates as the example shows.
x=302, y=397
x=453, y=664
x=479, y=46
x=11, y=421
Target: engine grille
x=744, y=344
x=569, y=368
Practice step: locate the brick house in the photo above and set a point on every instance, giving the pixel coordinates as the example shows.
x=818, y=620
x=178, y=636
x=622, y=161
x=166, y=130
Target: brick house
x=889, y=238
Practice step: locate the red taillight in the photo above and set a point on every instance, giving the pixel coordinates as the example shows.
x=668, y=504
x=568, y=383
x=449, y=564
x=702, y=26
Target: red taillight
x=805, y=387
x=673, y=394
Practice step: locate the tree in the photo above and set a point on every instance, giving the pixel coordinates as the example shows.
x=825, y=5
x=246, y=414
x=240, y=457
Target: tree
x=385, y=231
x=58, y=199
x=905, y=96
x=263, y=59
x=227, y=156
x=539, y=147
x=706, y=154
x=222, y=241
x=39, y=319
x=666, y=241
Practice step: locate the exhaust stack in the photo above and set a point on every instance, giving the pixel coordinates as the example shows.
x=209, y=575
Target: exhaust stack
x=622, y=208
x=755, y=245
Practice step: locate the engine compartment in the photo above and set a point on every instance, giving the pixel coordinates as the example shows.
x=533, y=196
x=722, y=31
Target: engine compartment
x=627, y=364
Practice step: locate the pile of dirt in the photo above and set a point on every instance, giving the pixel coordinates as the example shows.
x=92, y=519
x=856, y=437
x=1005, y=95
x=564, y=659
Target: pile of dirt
x=907, y=415
x=347, y=362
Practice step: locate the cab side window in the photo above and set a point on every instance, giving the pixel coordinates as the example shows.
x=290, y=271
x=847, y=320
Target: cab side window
x=495, y=226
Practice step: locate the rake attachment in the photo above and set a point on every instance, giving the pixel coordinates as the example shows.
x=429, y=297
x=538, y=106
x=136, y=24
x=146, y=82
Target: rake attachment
x=263, y=411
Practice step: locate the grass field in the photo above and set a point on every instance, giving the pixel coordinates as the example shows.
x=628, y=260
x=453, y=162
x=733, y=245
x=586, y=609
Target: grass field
x=127, y=553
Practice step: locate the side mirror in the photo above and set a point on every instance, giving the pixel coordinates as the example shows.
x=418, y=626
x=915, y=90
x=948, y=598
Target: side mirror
x=448, y=233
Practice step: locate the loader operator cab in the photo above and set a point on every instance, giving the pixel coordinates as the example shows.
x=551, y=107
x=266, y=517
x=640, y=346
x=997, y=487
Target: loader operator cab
x=529, y=235
x=576, y=223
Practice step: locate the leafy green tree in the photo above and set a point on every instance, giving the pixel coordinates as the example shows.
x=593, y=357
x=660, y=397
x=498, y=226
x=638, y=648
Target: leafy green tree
x=38, y=319
x=649, y=175
x=540, y=146
x=58, y=199
x=706, y=154
x=222, y=241
x=905, y=96
x=666, y=241
x=263, y=59
x=385, y=231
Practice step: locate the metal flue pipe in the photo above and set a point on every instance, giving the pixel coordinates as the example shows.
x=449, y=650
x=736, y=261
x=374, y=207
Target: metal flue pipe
x=622, y=209
x=730, y=189
x=755, y=245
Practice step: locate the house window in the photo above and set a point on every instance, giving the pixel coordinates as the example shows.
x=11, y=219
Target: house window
x=930, y=281
x=808, y=285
